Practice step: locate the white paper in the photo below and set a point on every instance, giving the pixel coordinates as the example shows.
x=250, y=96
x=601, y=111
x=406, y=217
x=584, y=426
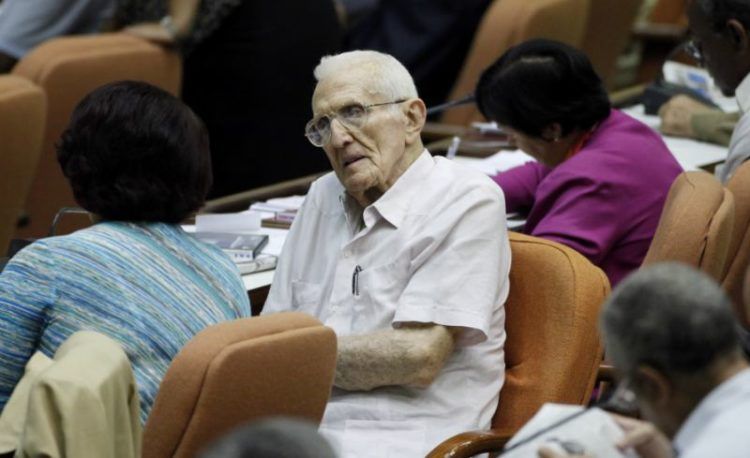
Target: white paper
x=594, y=430
x=228, y=222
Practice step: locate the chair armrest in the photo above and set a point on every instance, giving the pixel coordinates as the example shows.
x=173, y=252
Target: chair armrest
x=437, y=131
x=471, y=443
x=666, y=32
x=241, y=201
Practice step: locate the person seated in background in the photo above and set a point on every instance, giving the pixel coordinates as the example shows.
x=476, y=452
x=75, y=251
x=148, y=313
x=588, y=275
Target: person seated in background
x=720, y=35
x=601, y=178
x=272, y=438
x=683, y=116
x=24, y=24
x=406, y=257
x=671, y=334
x=138, y=159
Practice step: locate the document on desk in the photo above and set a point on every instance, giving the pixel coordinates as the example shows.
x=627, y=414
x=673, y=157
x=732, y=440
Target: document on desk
x=594, y=431
x=498, y=162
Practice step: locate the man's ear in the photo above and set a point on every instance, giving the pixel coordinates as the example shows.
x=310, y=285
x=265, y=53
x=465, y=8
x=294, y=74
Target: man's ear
x=416, y=115
x=652, y=385
x=738, y=34
x=552, y=132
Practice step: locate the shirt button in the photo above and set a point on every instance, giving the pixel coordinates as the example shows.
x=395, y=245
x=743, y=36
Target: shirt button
x=347, y=254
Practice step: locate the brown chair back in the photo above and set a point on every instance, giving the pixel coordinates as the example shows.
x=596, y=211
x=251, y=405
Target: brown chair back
x=505, y=24
x=553, y=350
x=239, y=371
x=738, y=257
x=22, y=112
x=68, y=68
x=608, y=31
x=696, y=225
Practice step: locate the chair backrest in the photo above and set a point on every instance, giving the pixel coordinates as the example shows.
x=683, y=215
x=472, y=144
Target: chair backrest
x=608, y=31
x=84, y=403
x=239, y=371
x=696, y=225
x=738, y=257
x=23, y=108
x=553, y=349
x=68, y=68
x=505, y=24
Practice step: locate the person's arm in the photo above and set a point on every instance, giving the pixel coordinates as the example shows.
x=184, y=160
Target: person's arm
x=182, y=15
x=683, y=116
x=26, y=292
x=412, y=355
x=519, y=185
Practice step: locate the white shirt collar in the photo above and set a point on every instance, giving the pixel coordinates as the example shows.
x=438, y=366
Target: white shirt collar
x=721, y=397
x=743, y=94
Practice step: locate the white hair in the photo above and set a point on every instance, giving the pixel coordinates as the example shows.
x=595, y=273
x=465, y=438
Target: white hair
x=378, y=73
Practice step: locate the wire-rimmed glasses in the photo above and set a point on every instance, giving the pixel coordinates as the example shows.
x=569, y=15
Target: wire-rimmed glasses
x=353, y=116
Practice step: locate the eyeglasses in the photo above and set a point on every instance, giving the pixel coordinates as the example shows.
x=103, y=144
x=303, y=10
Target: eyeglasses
x=693, y=49
x=352, y=116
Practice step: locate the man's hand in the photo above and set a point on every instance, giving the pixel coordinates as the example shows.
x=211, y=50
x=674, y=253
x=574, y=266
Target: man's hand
x=412, y=355
x=644, y=438
x=676, y=115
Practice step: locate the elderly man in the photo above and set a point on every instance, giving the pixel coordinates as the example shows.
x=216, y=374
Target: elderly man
x=406, y=257
x=670, y=332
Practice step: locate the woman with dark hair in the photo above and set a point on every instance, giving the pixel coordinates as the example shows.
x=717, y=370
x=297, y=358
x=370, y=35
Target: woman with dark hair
x=601, y=178
x=137, y=159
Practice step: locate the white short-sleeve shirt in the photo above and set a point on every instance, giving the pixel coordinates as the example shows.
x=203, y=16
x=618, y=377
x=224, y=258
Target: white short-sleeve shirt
x=433, y=249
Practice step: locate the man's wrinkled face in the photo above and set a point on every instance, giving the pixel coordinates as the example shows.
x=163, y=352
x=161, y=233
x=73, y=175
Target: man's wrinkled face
x=369, y=156
x=718, y=54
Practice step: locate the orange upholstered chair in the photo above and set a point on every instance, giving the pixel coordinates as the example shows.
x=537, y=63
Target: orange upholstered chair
x=553, y=350
x=22, y=113
x=696, y=225
x=738, y=257
x=608, y=31
x=239, y=371
x=507, y=23
x=67, y=69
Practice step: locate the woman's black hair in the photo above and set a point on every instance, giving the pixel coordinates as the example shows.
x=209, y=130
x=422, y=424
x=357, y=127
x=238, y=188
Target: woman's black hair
x=134, y=152
x=541, y=82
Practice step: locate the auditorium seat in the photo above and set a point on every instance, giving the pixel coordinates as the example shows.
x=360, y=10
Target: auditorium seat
x=608, y=31
x=507, y=23
x=553, y=350
x=22, y=113
x=696, y=225
x=83, y=403
x=67, y=69
x=738, y=257
x=239, y=371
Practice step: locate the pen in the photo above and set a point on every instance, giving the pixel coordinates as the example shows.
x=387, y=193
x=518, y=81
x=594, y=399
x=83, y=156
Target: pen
x=355, y=280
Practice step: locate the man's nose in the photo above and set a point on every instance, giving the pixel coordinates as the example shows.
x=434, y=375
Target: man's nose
x=340, y=136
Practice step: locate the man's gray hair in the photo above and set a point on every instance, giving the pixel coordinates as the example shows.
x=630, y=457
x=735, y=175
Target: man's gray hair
x=379, y=73
x=670, y=317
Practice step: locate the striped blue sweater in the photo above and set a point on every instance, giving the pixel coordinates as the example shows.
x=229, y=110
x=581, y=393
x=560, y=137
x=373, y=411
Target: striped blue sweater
x=151, y=287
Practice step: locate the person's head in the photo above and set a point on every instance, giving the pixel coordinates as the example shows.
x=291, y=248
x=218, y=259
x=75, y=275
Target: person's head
x=368, y=118
x=670, y=333
x=720, y=31
x=273, y=438
x=134, y=152
x=545, y=94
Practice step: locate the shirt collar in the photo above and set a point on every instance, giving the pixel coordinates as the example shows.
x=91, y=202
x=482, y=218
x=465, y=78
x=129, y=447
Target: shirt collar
x=719, y=399
x=743, y=94
x=394, y=204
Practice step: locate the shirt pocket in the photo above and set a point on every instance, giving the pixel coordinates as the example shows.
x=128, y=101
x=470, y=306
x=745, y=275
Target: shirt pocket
x=306, y=297
x=379, y=290
x=384, y=439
